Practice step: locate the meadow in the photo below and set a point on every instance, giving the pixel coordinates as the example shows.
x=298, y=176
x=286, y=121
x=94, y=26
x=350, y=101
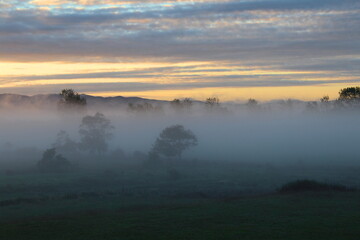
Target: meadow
x=184, y=200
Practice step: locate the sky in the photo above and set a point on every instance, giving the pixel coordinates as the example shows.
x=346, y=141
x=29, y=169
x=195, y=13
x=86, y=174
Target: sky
x=166, y=49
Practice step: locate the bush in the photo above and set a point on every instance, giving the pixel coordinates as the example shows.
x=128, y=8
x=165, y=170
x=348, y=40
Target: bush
x=52, y=162
x=314, y=186
x=16, y=201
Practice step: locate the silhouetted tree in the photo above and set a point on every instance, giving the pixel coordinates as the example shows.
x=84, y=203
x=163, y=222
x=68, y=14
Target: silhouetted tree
x=350, y=93
x=348, y=98
x=176, y=102
x=52, y=162
x=252, y=104
x=184, y=104
x=325, y=99
x=212, y=105
x=187, y=102
x=95, y=132
x=143, y=107
x=212, y=102
x=173, y=141
x=325, y=104
x=71, y=100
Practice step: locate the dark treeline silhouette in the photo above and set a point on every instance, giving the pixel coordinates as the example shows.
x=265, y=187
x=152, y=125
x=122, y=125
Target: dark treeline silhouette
x=69, y=99
x=350, y=94
x=143, y=108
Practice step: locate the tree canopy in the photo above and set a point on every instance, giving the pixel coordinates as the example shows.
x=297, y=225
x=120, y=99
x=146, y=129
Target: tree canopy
x=350, y=93
x=174, y=140
x=52, y=162
x=252, y=104
x=212, y=102
x=70, y=99
x=95, y=131
x=325, y=99
x=180, y=105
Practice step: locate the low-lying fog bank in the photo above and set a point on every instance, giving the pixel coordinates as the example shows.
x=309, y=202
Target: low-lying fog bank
x=271, y=132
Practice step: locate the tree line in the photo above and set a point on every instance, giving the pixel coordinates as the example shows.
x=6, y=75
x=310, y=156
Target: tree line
x=95, y=132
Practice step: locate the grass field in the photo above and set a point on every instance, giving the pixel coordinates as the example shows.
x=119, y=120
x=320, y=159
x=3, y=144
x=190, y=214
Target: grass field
x=299, y=216
x=211, y=203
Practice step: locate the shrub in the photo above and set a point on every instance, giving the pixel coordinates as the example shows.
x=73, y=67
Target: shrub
x=52, y=162
x=314, y=186
x=16, y=201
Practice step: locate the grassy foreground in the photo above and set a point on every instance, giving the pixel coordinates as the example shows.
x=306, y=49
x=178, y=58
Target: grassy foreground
x=293, y=216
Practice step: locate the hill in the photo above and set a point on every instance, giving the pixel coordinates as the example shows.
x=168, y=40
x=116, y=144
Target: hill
x=49, y=101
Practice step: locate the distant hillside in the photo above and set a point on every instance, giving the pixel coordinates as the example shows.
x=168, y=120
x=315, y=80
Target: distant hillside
x=47, y=101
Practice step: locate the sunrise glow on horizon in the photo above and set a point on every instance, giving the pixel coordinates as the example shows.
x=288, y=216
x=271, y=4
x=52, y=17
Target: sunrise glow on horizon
x=158, y=49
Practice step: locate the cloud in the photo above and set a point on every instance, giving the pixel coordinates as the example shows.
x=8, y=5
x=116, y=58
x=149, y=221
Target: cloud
x=303, y=35
x=215, y=30
x=143, y=86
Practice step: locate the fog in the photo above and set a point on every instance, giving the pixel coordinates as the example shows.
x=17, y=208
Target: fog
x=216, y=150
x=232, y=132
